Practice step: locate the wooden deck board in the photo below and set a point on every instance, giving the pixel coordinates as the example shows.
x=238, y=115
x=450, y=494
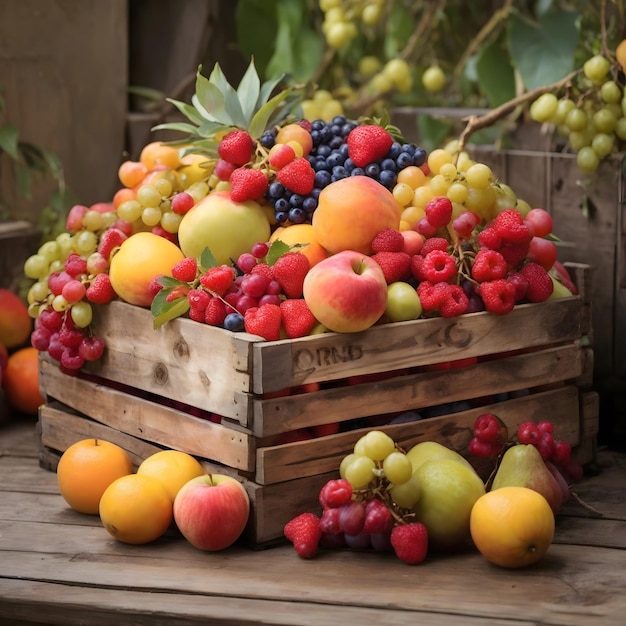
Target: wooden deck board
x=60, y=567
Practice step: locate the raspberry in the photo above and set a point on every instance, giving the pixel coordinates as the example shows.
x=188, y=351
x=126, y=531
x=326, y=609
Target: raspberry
x=455, y=303
x=298, y=176
x=410, y=542
x=265, y=270
x=434, y=243
x=488, y=265
x=247, y=184
x=297, y=319
x=540, y=285
x=236, y=147
x=368, y=143
x=509, y=225
x=198, y=299
x=514, y=253
x=100, y=291
x=438, y=211
x=305, y=534
x=396, y=266
x=264, y=321
x=110, y=239
x=75, y=265
x=438, y=267
x=528, y=433
x=218, y=279
x=215, y=312
x=487, y=427
x=498, y=296
x=289, y=270
x=185, y=270
x=197, y=315
x=432, y=295
x=154, y=286
x=388, y=240
x=335, y=493
x=488, y=238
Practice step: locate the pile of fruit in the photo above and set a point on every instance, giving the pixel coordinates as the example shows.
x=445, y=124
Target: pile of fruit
x=282, y=227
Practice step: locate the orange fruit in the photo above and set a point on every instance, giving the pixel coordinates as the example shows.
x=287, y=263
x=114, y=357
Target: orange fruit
x=512, y=526
x=131, y=173
x=15, y=322
x=20, y=381
x=87, y=468
x=136, y=509
x=620, y=54
x=156, y=153
x=301, y=234
x=172, y=468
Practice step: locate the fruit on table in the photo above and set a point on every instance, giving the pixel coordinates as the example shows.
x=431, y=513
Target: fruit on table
x=523, y=466
x=87, y=468
x=20, y=380
x=351, y=212
x=347, y=292
x=15, y=323
x=227, y=228
x=172, y=468
x=512, y=527
x=211, y=511
x=449, y=490
x=140, y=258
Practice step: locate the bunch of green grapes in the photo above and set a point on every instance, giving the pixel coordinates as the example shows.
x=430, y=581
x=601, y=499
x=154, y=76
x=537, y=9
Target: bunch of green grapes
x=590, y=114
x=343, y=18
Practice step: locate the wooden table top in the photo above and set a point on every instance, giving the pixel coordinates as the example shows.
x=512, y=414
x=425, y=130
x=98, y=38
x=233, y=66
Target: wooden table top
x=61, y=567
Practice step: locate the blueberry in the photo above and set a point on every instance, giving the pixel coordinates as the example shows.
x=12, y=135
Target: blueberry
x=404, y=160
x=349, y=164
x=276, y=190
x=388, y=164
x=336, y=142
x=357, y=171
x=339, y=120
x=419, y=158
x=295, y=200
x=348, y=127
x=335, y=130
x=281, y=216
x=318, y=125
x=322, y=178
x=335, y=159
x=315, y=192
x=343, y=150
x=395, y=150
x=388, y=179
x=372, y=170
x=309, y=204
x=339, y=172
x=268, y=138
x=297, y=216
x=409, y=148
x=323, y=151
x=234, y=322
x=281, y=204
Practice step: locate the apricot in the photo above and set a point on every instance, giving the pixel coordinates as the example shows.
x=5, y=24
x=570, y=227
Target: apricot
x=142, y=257
x=156, y=153
x=351, y=212
x=295, y=132
x=15, y=323
x=301, y=235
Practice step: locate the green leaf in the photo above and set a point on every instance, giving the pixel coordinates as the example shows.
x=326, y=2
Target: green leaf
x=207, y=260
x=266, y=90
x=209, y=129
x=308, y=54
x=277, y=249
x=256, y=26
x=543, y=52
x=400, y=24
x=168, y=282
x=191, y=113
x=9, y=137
x=496, y=75
x=248, y=91
x=164, y=311
x=53, y=162
x=182, y=127
x=23, y=177
x=211, y=100
x=259, y=122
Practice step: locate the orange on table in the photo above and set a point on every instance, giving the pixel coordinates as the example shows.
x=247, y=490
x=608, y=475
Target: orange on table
x=172, y=468
x=301, y=234
x=87, y=468
x=136, y=509
x=20, y=381
x=512, y=526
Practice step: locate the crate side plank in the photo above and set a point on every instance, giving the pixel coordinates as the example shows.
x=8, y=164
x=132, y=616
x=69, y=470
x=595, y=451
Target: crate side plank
x=415, y=391
x=149, y=420
x=316, y=456
x=277, y=365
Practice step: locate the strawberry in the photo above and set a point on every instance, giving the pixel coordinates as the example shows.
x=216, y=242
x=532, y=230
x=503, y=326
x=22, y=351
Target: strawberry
x=297, y=319
x=264, y=269
x=388, y=240
x=289, y=270
x=410, y=542
x=438, y=211
x=100, y=291
x=264, y=321
x=247, y=184
x=540, y=285
x=215, y=312
x=110, y=239
x=154, y=286
x=298, y=176
x=236, y=147
x=305, y=534
x=218, y=279
x=395, y=265
x=368, y=143
x=185, y=270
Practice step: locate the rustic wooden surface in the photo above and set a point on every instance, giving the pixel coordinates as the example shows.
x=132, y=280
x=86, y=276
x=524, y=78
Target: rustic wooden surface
x=60, y=567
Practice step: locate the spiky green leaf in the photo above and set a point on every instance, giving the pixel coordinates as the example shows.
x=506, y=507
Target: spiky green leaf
x=266, y=90
x=248, y=91
x=182, y=127
x=190, y=112
x=263, y=115
x=210, y=100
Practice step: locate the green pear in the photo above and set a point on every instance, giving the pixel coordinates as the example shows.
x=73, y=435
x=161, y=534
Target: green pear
x=431, y=450
x=523, y=466
x=448, y=491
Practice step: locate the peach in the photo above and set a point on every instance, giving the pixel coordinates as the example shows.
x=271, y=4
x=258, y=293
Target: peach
x=351, y=212
x=15, y=323
x=301, y=235
x=347, y=292
x=295, y=132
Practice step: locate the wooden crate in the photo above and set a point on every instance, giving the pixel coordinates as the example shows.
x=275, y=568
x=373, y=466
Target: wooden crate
x=156, y=389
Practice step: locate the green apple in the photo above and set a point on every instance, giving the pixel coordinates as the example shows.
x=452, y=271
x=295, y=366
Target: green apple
x=403, y=303
x=430, y=451
x=560, y=290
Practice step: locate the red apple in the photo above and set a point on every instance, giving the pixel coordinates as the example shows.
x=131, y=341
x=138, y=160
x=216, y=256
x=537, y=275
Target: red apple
x=346, y=292
x=211, y=511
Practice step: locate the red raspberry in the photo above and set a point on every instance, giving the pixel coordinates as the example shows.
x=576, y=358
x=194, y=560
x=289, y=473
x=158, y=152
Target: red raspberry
x=154, y=286
x=198, y=299
x=438, y=211
x=215, y=312
x=265, y=270
x=236, y=147
x=305, y=534
x=514, y=253
x=488, y=265
x=396, y=266
x=185, y=270
x=498, y=296
x=218, y=279
x=455, y=303
x=488, y=238
x=540, y=285
x=509, y=225
x=432, y=295
x=438, y=267
x=100, y=291
x=298, y=176
x=434, y=243
x=264, y=321
x=297, y=319
x=528, y=433
x=410, y=542
x=247, y=184
x=388, y=240
x=197, y=315
x=289, y=270
x=335, y=493
x=368, y=143
x=75, y=265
